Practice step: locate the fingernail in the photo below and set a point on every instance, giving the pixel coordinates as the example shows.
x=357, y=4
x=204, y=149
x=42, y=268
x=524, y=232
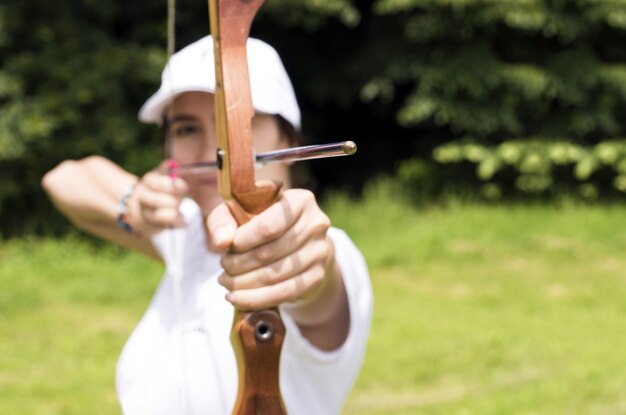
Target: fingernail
x=230, y=297
x=221, y=279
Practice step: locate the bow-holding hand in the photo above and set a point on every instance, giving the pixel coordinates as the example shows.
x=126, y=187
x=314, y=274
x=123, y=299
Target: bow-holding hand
x=284, y=256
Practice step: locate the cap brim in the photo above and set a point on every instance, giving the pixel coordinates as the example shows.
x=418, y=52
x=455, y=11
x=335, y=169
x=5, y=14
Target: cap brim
x=153, y=109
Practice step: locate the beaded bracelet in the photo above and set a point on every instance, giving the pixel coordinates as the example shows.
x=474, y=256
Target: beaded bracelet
x=122, y=210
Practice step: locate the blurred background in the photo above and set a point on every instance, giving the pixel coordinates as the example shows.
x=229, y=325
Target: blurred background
x=486, y=194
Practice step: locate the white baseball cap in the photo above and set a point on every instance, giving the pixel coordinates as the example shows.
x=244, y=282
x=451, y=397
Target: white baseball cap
x=192, y=69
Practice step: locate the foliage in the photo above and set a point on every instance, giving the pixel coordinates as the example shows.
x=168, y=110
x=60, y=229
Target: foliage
x=497, y=69
x=538, y=165
x=530, y=93
x=399, y=76
x=71, y=81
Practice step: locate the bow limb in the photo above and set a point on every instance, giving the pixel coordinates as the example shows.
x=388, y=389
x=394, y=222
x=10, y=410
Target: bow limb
x=257, y=337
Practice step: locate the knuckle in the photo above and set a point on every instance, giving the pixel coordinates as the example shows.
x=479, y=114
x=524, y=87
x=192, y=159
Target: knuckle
x=307, y=198
x=287, y=294
x=324, y=220
x=321, y=223
x=150, y=199
x=148, y=214
x=268, y=228
x=229, y=283
x=161, y=220
x=180, y=187
x=307, y=195
x=264, y=254
x=155, y=218
x=150, y=179
x=157, y=182
x=169, y=215
x=303, y=197
x=318, y=273
x=171, y=201
x=226, y=263
x=267, y=276
x=322, y=250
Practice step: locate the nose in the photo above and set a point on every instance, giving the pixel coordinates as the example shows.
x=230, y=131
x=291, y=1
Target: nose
x=209, y=152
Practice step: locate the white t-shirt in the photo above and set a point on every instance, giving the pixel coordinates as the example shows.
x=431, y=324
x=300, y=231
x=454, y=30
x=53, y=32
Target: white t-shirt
x=179, y=359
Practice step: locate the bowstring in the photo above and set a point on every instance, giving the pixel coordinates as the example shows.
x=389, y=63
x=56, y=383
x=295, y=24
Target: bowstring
x=176, y=267
x=171, y=27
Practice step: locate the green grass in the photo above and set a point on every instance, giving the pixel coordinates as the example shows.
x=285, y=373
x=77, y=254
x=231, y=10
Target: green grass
x=493, y=310
x=65, y=313
x=478, y=310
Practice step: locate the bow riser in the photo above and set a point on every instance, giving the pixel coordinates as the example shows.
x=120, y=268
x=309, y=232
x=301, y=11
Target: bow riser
x=257, y=337
x=230, y=27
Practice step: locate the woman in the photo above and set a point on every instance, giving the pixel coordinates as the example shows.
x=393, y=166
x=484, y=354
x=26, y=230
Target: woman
x=179, y=359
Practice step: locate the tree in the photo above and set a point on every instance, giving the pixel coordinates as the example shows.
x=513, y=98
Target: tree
x=402, y=77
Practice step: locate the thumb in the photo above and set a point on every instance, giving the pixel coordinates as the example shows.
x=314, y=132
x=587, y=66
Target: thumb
x=221, y=226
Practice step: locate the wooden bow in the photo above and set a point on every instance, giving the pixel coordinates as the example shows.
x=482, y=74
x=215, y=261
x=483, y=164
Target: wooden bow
x=257, y=337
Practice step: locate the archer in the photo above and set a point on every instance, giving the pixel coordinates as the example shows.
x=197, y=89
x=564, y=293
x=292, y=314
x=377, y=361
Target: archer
x=178, y=359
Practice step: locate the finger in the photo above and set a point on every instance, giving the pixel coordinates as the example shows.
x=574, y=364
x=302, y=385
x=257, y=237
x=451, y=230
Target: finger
x=164, y=167
x=294, y=242
x=274, y=295
x=159, y=209
x=278, y=271
x=163, y=218
x=269, y=224
x=221, y=226
x=162, y=183
x=151, y=199
x=311, y=227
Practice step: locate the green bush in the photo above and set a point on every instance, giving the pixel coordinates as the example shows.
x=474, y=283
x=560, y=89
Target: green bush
x=540, y=165
x=402, y=77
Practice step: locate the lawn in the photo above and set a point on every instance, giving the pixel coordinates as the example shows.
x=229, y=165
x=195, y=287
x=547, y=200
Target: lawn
x=478, y=310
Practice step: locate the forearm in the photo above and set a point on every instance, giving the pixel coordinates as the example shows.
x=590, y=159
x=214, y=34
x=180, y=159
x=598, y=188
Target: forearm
x=87, y=192
x=78, y=191
x=324, y=318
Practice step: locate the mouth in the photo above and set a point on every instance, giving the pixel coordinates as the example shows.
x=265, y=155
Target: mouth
x=208, y=181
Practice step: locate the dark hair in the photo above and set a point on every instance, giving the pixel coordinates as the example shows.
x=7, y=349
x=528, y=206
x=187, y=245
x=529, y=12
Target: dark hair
x=288, y=131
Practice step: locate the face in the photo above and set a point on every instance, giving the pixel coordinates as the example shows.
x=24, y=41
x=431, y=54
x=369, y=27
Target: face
x=192, y=140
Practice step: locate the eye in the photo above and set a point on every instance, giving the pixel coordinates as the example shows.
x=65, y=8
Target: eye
x=187, y=129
